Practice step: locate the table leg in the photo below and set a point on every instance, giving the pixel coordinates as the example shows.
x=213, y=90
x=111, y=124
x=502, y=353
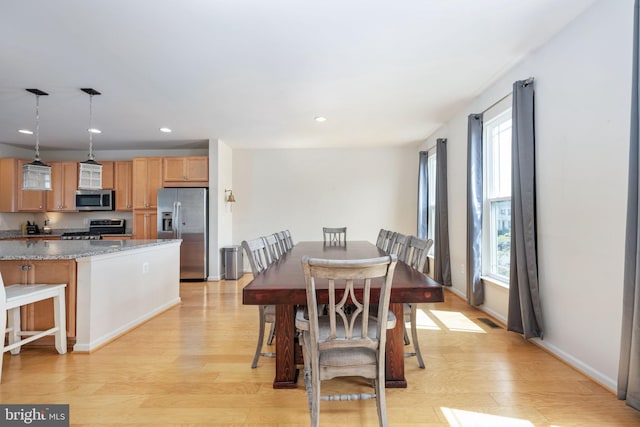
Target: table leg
x=286, y=371
x=394, y=355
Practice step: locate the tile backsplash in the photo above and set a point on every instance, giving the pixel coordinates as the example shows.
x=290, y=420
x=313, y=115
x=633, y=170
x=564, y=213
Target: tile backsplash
x=60, y=220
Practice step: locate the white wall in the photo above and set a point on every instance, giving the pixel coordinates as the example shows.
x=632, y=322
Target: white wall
x=220, y=212
x=583, y=86
x=305, y=189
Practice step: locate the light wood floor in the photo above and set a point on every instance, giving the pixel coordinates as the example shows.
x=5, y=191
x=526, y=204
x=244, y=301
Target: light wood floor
x=191, y=366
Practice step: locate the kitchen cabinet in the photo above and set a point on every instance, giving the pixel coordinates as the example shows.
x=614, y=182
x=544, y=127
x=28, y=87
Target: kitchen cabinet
x=12, y=197
x=108, y=175
x=124, y=185
x=147, y=179
x=189, y=171
x=39, y=316
x=64, y=183
x=145, y=224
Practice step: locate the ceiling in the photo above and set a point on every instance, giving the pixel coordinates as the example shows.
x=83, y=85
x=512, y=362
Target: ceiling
x=256, y=73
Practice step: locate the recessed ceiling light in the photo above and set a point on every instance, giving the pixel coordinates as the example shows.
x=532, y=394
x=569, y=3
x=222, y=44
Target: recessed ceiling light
x=320, y=119
x=26, y=131
x=165, y=130
x=94, y=130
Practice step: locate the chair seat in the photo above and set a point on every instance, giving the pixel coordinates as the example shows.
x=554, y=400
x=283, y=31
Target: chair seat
x=18, y=295
x=339, y=357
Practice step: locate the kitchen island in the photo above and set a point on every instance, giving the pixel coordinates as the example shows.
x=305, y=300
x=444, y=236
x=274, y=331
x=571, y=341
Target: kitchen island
x=112, y=285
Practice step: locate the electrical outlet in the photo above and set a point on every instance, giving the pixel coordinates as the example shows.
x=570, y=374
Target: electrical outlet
x=145, y=267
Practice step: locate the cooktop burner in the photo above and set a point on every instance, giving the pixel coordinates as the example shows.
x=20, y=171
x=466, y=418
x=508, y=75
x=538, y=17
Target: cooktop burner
x=80, y=235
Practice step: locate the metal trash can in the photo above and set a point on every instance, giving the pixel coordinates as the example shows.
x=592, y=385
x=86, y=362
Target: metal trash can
x=233, y=262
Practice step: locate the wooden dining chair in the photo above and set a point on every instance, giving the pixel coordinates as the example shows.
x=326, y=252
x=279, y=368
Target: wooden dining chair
x=335, y=235
x=282, y=241
x=398, y=245
x=415, y=255
x=289, y=239
x=273, y=245
x=347, y=341
x=388, y=241
x=382, y=237
x=260, y=258
x=12, y=298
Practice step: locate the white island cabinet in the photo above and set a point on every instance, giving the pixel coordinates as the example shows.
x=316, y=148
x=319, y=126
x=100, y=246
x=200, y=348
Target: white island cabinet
x=119, y=284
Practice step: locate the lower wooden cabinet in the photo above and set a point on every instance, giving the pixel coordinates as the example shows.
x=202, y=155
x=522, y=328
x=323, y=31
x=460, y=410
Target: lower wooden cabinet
x=39, y=316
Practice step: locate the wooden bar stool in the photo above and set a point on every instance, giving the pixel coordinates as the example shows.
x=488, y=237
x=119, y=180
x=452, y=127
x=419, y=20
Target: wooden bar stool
x=15, y=296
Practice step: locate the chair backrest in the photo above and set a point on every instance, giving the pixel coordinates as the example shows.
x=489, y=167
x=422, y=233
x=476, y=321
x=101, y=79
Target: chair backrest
x=388, y=241
x=282, y=240
x=415, y=254
x=349, y=287
x=289, y=240
x=273, y=244
x=258, y=254
x=334, y=234
x=398, y=245
x=382, y=237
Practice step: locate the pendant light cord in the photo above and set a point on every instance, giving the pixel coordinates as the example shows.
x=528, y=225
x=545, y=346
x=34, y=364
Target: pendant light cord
x=91, y=156
x=37, y=156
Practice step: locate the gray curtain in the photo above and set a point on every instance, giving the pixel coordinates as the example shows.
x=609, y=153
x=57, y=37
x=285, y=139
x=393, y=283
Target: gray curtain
x=475, y=287
x=525, y=313
x=629, y=369
x=423, y=196
x=442, y=262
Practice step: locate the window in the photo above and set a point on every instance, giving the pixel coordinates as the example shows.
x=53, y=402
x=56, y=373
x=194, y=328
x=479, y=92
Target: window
x=431, y=167
x=496, y=227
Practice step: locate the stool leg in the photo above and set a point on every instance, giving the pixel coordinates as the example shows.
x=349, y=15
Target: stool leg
x=14, y=325
x=3, y=330
x=59, y=316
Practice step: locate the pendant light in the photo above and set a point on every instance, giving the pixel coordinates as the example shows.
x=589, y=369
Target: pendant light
x=36, y=175
x=90, y=174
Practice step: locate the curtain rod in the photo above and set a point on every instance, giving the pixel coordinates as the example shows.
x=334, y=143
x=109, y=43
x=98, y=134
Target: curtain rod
x=525, y=83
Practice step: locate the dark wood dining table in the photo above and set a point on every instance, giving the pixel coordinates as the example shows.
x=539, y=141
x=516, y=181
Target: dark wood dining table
x=282, y=284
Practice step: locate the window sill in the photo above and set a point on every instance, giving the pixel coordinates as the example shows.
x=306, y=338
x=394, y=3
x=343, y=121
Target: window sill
x=495, y=282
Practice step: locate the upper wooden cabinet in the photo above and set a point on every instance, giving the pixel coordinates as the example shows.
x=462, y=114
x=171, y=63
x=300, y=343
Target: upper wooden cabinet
x=108, y=175
x=124, y=185
x=12, y=197
x=190, y=171
x=147, y=179
x=64, y=183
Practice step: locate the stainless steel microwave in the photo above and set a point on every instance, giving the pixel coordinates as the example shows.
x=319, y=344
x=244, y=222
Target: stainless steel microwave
x=95, y=200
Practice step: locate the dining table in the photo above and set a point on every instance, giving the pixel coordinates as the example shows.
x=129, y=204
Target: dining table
x=282, y=284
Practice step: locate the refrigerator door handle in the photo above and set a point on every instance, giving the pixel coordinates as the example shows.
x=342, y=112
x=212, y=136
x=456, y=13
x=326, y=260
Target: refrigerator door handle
x=178, y=207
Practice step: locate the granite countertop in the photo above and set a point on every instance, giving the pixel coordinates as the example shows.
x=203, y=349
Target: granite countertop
x=39, y=249
x=55, y=233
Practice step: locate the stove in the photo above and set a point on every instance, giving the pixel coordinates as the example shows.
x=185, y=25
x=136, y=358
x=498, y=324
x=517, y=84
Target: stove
x=80, y=235
x=97, y=227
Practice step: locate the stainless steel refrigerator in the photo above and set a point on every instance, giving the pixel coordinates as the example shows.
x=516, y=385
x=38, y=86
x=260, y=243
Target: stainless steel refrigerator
x=183, y=214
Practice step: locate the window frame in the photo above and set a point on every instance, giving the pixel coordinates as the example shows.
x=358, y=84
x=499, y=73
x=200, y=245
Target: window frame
x=431, y=192
x=492, y=198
